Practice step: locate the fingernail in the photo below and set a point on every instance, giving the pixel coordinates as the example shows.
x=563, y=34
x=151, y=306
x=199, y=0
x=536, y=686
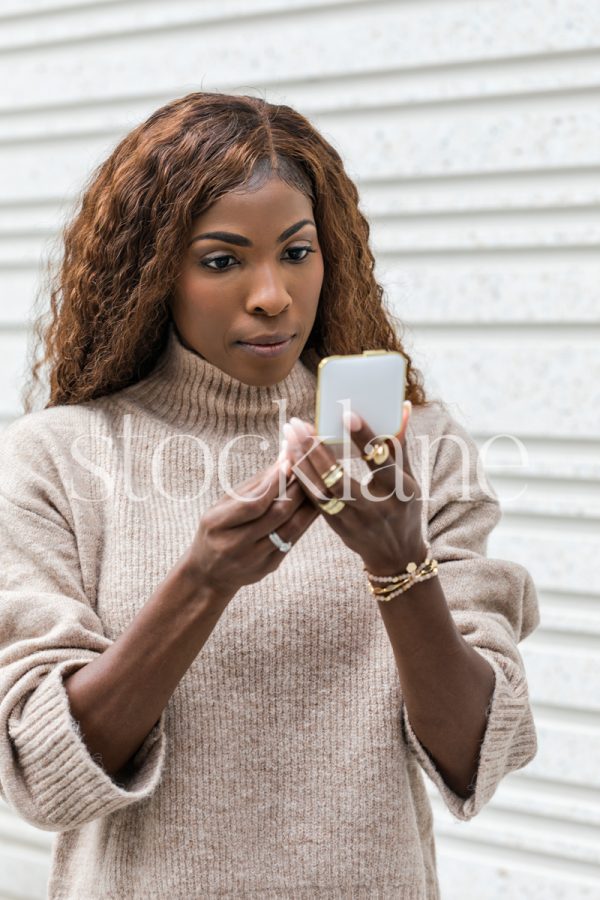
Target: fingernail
x=351, y=420
x=290, y=433
x=298, y=426
x=283, y=450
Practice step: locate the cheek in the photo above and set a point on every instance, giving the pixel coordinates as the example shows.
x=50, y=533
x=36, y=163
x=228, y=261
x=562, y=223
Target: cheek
x=197, y=288
x=193, y=280
x=184, y=285
x=317, y=286
x=320, y=273
x=310, y=282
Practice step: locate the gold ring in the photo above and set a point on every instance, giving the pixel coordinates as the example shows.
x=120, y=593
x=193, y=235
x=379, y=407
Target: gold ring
x=378, y=454
x=332, y=506
x=333, y=474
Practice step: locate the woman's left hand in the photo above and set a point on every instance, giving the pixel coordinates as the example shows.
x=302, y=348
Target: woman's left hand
x=381, y=520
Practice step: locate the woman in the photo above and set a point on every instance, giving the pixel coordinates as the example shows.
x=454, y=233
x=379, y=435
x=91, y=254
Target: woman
x=203, y=688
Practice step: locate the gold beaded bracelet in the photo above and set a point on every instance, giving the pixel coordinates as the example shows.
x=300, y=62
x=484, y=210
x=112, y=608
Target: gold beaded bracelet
x=397, y=584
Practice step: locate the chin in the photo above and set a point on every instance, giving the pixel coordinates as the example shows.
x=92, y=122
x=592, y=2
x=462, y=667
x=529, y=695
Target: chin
x=271, y=374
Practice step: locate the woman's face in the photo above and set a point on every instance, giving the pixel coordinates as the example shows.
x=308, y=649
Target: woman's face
x=258, y=279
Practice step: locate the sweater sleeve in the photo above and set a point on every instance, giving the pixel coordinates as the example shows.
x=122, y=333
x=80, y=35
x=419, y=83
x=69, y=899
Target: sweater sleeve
x=494, y=605
x=48, y=628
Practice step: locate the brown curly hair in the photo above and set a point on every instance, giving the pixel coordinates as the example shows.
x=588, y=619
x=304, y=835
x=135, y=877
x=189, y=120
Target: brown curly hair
x=122, y=249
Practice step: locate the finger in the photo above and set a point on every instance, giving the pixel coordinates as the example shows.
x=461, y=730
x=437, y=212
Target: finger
x=258, y=477
x=401, y=438
x=250, y=504
x=262, y=474
x=281, y=508
x=275, y=478
x=312, y=459
x=281, y=511
x=293, y=529
x=364, y=438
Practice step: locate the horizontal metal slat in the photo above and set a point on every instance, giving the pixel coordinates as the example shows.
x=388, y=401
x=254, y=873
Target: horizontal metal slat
x=400, y=143
x=484, y=231
x=548, y=555
x=77, y=18
x=504, y=829
x=523, y=388
x=518, y=291
x=19, y=9
x=14, y=830
x=568, y=746
x=531, y=81
x=468, y=869
x=520, y=792
x=511, y=456
x=530, y=492
x=12, y=369
x=23, y=873
x=552, y=335
x=563, y=672
x=570, y=612
x=418, y=27
x=546, y=451
x=455, y=193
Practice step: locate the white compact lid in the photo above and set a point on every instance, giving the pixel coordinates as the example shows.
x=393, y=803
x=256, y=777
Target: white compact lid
x=364, y=388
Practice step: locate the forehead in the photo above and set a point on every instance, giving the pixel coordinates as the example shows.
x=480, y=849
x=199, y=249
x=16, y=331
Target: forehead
x=273, y=196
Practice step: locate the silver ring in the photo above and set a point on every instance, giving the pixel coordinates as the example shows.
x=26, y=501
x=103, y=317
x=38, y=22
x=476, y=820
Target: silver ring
x=284, y=546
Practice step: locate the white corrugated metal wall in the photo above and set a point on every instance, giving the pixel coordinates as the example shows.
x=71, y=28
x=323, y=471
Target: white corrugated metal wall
x=473, y=132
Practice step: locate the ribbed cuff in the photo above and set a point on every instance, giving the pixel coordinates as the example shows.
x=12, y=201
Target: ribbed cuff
x=66, y=785
x=509, y=741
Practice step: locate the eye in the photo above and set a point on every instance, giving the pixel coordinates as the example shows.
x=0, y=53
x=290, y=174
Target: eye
x=216, y=259
x=219, y=259
x=306, y=250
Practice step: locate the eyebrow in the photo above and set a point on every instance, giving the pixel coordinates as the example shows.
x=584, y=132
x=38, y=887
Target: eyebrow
x=242, y=241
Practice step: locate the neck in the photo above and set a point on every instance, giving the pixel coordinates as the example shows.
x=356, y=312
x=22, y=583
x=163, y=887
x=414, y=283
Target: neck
x=186, y=390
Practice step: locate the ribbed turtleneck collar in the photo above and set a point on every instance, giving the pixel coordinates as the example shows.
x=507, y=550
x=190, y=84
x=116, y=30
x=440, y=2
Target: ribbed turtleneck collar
x=186, y=390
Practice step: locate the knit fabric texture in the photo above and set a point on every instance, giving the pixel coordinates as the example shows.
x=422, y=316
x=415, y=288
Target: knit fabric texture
x=284, y=764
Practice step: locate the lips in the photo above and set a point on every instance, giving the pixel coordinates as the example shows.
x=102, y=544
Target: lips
x=266, y=350
x=277, y=337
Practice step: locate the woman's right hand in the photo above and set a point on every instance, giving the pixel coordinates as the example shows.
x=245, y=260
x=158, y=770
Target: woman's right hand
x=232, y=547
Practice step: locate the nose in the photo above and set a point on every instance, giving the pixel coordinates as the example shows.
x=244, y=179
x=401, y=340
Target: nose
x=268, y=293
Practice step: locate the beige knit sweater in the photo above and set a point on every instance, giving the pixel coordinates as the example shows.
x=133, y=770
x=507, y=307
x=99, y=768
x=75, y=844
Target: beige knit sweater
x=284, y=764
